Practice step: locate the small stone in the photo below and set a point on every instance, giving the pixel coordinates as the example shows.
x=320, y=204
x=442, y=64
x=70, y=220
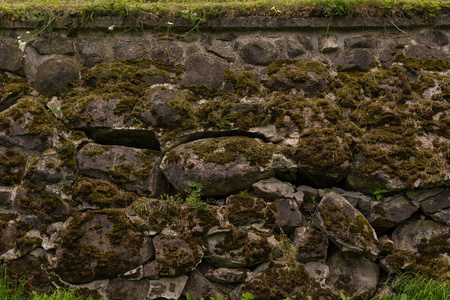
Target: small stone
x=227, y=275
x=167, y=288
x=258, y=52
x=360, y=42
x=273, y=188
x=328, y=43
x=289, y=216
x=355, y=60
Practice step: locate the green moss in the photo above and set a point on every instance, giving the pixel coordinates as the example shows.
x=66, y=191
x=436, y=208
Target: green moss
x=39, y=202
x=415, y=64
x=101, y=193
x=96, y=150
x=425, y=81
x=379, y=209
x=12, y=87
x=279, y=282
x=26, y=244
x=122, y=172
x=226, y=150
x=344, y=283
x=245, y=210
x=67, y=153
x=147, y=157
x=245, y=85
x=355, y=231
x=176, y=259
x=12, y=165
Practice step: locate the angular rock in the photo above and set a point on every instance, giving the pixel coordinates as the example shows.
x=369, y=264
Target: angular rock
x=258, y=52
x=100, y=245
x=355, y=60
x=273, y=188
x=161, y=111
x=119, y=289
x=366, y=41
x=199, y=286
x=328, y=43
x=390, y=212
x=222, y=165
x=289, y=216
x=8, y=231
x=352, y=197
x=222, y=50
x=352, y=275
x=239, y=249
x=423, y=52
x=311, y=244
x=407, y=236
x=132, y=168
x=48, y=169
x=6, y=197
x=204, y=70
x=54, y=74
x=167, y=288
x=307, y=198
x=175, y=257
x=227, y=275
x=346, y=226
x=433, y=38
x=442, y=216
x=167, y=54
x=436, y=203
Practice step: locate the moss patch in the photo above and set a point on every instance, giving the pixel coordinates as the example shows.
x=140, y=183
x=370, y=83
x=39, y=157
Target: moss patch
x=12, y=166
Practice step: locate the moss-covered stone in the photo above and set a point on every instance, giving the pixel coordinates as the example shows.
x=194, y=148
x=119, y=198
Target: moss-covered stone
x=12, y=165
x=244, y=210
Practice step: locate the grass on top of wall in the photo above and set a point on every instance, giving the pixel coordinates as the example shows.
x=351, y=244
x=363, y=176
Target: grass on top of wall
x=203, y=10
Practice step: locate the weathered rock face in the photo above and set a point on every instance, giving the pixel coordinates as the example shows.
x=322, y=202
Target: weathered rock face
x=225, y=162
x=100, y=245
x=346, y=226
x=224, y=166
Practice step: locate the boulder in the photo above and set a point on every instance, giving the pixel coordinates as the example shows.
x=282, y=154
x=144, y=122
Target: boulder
x=222, y=165
x=132, y=168
x=307, y=197
x=352, y=275
x=390, y=212
x=355, y=60
x=258, y=52
x=100, y=245
x=346, y=226
x=54, y=75
x=311, y=244
x=273, y=188
x=204, y=70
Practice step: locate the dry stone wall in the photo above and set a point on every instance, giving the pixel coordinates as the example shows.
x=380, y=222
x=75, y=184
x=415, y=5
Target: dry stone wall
x=286, y=162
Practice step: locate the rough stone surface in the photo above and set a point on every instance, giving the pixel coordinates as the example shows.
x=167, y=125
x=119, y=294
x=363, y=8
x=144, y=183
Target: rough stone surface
x=227, y=275
x=433, y=38
x=407, y=236
x=134, y=169
x=258, y=52
x=346, y=226
x=390, y=212
x=311, y=244
x=355, y=60
x=289, y=216
x=11, y=56
x=119, y=289
x=199, y=285
x=360, y=42
x=354, y=276
x=436, y=203
x=328, y=43
x=219, y=174
x=273, y=188
x=53, y=75
x=167, y=288
x=204, y=70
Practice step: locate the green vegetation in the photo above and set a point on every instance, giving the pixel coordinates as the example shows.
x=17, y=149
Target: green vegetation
x=378, y=194
x=16, y=291
x=44, y=13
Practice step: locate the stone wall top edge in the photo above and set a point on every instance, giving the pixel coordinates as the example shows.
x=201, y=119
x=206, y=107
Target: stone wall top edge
x=239, y=23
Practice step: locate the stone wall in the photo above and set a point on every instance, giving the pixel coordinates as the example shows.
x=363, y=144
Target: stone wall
x=295, y=160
